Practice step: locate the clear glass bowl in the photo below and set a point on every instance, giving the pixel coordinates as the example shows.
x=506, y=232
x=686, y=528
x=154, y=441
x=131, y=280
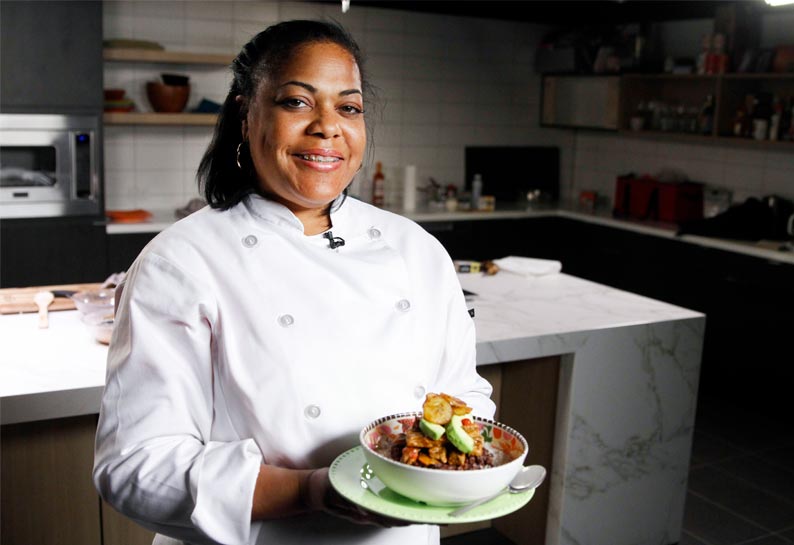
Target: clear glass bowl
x=100, y=323
x=94, y=300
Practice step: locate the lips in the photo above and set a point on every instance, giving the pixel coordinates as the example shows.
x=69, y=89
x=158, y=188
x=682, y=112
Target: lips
x=323, y=160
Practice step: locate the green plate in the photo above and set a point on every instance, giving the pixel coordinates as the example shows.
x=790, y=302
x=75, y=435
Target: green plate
x=345, y=478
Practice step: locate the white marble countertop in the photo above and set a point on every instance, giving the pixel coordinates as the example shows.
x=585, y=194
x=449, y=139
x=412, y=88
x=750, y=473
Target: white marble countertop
x=60, y=371
x=163, y=218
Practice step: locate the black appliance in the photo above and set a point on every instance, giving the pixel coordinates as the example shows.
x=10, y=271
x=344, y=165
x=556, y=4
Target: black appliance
x=509, y=173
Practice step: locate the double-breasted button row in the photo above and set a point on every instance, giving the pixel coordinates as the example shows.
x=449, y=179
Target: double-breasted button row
x=286, y=320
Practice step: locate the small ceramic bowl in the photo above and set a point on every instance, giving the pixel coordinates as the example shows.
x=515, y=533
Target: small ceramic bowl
x=444, y=487
x=167, y=98
x=101, y=325
x=114, y=94
x=94, y=300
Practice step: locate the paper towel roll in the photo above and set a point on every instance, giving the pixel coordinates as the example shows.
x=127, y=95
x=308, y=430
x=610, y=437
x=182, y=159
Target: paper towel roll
x=409, y=188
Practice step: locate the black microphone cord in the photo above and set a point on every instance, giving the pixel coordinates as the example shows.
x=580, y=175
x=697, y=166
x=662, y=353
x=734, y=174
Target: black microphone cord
x=334, y=242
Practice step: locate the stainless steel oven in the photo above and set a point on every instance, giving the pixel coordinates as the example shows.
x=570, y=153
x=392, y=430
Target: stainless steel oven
x=50, y=166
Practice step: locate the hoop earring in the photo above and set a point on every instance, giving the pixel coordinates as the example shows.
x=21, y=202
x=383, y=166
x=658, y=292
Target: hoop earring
x=238, y=155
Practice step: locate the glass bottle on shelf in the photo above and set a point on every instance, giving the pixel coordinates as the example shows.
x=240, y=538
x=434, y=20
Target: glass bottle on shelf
x=775, y=119
x=706, y=117
x=705, y=51
x=739, y=121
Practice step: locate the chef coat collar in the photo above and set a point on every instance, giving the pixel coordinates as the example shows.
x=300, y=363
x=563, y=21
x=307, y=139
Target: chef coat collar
x=277, y=214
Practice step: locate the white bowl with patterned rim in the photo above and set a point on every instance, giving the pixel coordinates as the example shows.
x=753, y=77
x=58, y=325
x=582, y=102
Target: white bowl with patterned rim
x=445, y=487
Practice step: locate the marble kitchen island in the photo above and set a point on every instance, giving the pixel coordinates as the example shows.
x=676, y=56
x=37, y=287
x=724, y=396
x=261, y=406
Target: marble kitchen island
x=624, y=373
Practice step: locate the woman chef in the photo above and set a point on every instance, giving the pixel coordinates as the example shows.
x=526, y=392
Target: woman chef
x=256, y=337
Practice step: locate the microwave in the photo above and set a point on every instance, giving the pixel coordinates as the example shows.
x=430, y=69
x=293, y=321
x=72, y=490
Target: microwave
x=50, y=165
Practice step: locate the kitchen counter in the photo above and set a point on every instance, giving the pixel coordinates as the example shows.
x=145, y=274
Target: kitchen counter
x=764, y=249
x=626, y=403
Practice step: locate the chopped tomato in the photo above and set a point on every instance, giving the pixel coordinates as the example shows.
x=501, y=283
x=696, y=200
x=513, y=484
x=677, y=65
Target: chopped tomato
x=466, y=422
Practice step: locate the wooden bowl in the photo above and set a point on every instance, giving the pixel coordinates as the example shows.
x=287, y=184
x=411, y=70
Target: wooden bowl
x=167, y=98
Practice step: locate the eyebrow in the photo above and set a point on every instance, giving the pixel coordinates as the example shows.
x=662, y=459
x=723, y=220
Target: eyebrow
x=313, y=89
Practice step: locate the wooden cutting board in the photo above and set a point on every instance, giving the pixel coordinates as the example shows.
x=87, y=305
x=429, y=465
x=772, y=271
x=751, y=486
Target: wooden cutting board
x=16, y=300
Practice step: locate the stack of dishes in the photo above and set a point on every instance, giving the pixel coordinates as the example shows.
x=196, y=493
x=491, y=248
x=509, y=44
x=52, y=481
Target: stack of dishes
x=115, y=101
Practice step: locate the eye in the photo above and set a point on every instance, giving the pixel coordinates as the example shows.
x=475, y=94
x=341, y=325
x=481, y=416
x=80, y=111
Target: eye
x=352, y=110
x=293, y=103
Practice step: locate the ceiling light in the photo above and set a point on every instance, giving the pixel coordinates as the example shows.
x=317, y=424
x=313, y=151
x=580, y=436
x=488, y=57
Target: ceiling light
x=776, y=3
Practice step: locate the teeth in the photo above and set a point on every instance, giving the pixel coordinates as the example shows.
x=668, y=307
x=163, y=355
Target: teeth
x=319, y=158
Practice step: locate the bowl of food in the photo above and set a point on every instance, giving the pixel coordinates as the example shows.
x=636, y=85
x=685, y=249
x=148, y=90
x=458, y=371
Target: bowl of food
x=443, y=455
x=100, y=323
x=101, y=300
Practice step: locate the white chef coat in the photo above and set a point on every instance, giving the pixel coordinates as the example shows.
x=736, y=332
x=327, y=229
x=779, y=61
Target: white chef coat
x=240, y=340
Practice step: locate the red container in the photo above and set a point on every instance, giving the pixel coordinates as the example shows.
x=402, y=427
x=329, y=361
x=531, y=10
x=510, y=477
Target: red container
x=646, y=198
x=680, y=202
x=633, y=197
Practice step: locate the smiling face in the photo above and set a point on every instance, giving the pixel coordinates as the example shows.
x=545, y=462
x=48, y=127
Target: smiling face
x=306, y=131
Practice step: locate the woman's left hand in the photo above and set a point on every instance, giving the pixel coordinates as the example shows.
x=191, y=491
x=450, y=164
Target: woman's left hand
x=317, y=493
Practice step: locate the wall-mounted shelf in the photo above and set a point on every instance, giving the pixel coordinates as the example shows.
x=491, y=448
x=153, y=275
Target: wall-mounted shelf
x=155, y=56
x=168, y=57
x=682, y=97
x=730, y=141
x=135, y=118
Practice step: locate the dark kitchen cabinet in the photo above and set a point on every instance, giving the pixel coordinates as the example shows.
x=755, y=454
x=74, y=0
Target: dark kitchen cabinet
x=50, y=56
x=748, y=301
x=123, y=249
x=46, y=251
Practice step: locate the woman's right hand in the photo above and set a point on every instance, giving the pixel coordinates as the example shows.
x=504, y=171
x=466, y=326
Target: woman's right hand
x=317, y=494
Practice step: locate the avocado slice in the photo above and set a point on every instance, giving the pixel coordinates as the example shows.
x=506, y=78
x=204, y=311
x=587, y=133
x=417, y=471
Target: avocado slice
x=433, y=431
x=458, y=436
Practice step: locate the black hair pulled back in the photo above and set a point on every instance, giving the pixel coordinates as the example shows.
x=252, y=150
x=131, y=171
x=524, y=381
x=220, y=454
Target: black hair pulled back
x=223, y=182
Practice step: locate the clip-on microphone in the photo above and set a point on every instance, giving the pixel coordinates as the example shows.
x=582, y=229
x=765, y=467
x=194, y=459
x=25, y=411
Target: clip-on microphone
x=334, y=242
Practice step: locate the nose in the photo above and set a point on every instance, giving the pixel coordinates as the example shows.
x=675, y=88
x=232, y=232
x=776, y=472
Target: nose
x=324, y=124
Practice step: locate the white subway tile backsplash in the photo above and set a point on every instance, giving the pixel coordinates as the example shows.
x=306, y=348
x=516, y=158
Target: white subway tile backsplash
x=778, y=181
x=384, y=67
x=383, y=43
x=159, y=182
x=299, y=10
x=117, y=26
x=387, y=135
x=210, y=11
x=166, y=9
x=208, y=34
x=119, y=155
x=420, y=155
x=419, y=135
x=158, y=157
x=166, y=31
x=384, y=20
x=255, y=11
x=421, y=113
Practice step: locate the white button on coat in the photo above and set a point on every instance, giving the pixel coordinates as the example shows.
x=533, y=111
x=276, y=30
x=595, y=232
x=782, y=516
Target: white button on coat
x=286, y=320
x=202, y=323
x=312, y=411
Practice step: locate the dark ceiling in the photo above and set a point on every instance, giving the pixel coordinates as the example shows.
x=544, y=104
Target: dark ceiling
x=563, y=12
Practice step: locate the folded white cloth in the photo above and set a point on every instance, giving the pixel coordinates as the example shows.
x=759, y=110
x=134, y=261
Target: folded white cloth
x=528, y=266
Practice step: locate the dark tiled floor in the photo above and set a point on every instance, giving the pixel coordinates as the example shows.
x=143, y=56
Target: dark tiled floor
x=741, y=479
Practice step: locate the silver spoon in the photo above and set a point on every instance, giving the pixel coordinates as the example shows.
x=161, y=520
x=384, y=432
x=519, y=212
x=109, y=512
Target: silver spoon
x=528, y=478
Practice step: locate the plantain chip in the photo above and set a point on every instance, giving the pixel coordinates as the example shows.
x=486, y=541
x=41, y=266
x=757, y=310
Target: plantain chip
x=437, y=410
